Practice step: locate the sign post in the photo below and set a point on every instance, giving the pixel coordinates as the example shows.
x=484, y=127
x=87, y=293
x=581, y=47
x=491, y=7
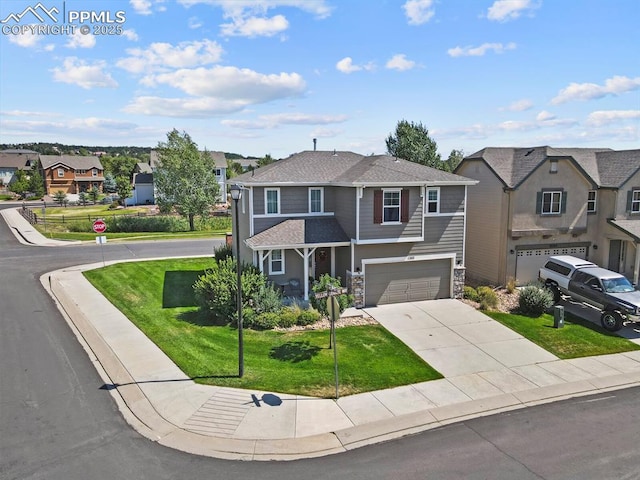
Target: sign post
x=333, y=309
x=99, y=226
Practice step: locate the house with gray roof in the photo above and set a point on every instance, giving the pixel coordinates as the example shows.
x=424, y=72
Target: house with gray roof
x=531, y=203
x=71, y=173
x=12, y=160
x=390, y=229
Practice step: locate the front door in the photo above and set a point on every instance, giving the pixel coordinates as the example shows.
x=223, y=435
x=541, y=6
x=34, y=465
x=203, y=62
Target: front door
x=323, y=261
x=615, y=255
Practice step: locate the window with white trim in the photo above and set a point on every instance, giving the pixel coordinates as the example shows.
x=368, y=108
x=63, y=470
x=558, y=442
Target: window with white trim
x=276, y=262
x=635, y=201
x=272, y=201
x=218, y=172
x=316, y=200
x=61, y=172
x=433, y=200
x=391, y=206
x=551, y=202
x=591, y=201
x=94, y=172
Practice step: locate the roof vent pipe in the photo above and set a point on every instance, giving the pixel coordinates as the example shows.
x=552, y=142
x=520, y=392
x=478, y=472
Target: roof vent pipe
x=315, y=140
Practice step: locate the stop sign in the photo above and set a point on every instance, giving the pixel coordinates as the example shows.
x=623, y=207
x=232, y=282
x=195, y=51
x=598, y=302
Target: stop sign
x=99, y=226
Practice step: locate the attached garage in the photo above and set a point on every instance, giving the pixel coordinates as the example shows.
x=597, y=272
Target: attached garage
x=530, y=260
x=407, y=281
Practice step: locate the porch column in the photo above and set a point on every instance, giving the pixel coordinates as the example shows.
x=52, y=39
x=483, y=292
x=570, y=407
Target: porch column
x=636, y=264
x=333, y=262
x=261, y=255
x=305, y=280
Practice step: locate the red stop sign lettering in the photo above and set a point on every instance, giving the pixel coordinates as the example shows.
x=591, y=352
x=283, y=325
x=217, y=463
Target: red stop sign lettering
x=99, y=226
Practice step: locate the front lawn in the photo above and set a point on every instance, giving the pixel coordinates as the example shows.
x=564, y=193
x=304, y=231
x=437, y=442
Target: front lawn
x=578, y=337
x=157, y=297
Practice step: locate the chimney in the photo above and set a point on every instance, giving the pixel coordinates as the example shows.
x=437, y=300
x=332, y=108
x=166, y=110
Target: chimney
x=315, y=140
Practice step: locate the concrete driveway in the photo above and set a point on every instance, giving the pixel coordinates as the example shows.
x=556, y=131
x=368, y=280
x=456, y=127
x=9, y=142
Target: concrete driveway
x=456, y=339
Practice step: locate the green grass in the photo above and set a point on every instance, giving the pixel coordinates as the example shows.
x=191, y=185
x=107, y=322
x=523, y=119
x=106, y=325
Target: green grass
x=157, y=297
x=578, y=337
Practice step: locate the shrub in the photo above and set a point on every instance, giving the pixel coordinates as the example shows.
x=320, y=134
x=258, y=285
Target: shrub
x=534, y=300
x=470, y=293
x=308, y=317
x=511, y=285
x=155, y=223
x=487, y=297
x=266, y=321
x=267, y=299
x=222, y=252
x=288, y=317
x=325, y=283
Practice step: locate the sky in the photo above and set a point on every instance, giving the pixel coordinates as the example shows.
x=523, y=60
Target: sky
x=270, y=76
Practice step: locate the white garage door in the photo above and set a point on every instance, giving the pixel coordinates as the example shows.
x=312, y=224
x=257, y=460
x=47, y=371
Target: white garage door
x=529, y=262
x=407, y=281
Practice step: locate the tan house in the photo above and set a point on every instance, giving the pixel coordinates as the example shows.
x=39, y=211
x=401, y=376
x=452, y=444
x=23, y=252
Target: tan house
x=531, y=203
x=71, y=174
x=392, y=230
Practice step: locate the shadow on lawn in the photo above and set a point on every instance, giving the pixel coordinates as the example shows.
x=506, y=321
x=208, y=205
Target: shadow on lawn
x=202, y=318
x=294, y=352
x=177, y=290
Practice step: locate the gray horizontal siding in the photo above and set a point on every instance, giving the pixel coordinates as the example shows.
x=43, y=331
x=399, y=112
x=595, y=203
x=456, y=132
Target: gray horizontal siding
x=345, y=199
x=443, y=234
x=452, y=199
x=372, y=231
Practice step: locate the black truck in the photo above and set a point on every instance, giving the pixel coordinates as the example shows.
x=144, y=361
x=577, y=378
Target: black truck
x=607, y=291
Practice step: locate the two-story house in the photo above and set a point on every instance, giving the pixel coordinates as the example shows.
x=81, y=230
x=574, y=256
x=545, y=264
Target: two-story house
x=391, y=229
x=13, y=160
x=532, y=203
x=71, y=173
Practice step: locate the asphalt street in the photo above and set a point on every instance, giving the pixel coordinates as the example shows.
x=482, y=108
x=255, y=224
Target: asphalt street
x=58, y=422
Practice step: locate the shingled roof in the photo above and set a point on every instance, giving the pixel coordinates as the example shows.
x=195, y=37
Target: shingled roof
x=299, y=232
x=76, y=162
x=342, y=168
x=603, y=166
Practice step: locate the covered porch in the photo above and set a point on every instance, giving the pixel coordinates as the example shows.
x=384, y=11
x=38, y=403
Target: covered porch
x=623, y=255
x=295, y=251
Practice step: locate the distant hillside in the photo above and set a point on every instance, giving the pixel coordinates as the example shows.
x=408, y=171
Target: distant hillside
x=58, y=148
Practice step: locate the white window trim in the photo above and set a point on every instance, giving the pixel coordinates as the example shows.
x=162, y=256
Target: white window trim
x=635, y=204
x=311, y=189
x=399, y=207
x=60, y=172
x=266, y=205
x=437, y=201
x=94, y=172
x=271, y=270
x=594, y=201
x=552, y=193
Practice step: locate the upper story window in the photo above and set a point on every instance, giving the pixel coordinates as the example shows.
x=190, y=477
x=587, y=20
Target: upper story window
x=81, y=171
x=433, y=200
x=391, y=206
x=553, y=166
x=218, y=172
x=316, y=200
x=633, y=201
x=276, y=262
x=61, y=172
x=94, y=172
x=551, y=202
x=591, y=201
x=272, y=201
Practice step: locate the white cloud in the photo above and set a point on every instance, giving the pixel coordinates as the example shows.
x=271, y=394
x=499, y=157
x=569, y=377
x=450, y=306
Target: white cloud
x=275, y=120
x=604, y=117
x=78, y=40
x=130, y=34
x=346, y=65
x=78, y=72
x=544, y=116
x=418, y=11
x=159, y=56
x=320, y=8
x=195, y=23
x=244, y=85
x=590, y=91
x=143, y=7
x=481, y=50
x=183, y=107
x=25, y=39
x=505, y=10
x=519, y=105
x=400, y=62
x=255, y=26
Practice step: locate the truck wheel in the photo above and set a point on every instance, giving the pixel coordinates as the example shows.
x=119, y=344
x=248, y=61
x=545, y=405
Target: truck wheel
x=555, y=291
x=611, y=321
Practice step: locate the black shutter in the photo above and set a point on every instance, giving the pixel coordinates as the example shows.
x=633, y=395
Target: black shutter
x=539, y=203
x=563, y=203
x=404, y=206
x=377, y=206
x=629, y=200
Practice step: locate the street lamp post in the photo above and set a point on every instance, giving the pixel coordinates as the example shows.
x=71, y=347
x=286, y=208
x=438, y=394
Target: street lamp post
x=236, y=193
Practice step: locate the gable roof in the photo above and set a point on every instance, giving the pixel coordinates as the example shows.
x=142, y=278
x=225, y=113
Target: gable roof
x=299, y=232
x=75, y=162
x=18, y=159
x=313, y=167
x=219, y=158
x=615, y=167
x=512, y=166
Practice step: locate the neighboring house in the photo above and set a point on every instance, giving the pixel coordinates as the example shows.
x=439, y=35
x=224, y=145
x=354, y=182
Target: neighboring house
x=71, y=174
x=532, y=203
x=13, y=160
x=143, y=192
x=220, y=170
x=247, y=163
x=392, y=230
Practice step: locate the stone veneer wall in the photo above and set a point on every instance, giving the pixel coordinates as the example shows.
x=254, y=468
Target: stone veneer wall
x=355, y=284
x=458, y=281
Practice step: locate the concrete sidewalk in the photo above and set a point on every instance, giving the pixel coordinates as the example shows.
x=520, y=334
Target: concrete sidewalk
x=487, y=368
